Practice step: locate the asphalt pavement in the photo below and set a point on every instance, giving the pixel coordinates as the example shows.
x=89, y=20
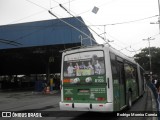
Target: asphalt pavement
x=25, y=101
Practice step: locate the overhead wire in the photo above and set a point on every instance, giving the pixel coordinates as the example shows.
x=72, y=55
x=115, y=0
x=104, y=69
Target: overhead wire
x=111, y=24
x=82, y=22
x=37, y=30
x=138, y=42
x=97, y=6
x=37, y=5
x=47, y=26
x=9, y=42
x=131, y=45
x=70, y=25
x=98, y=25
x=122, y=43
x=69, y=10
x=27, y=17
x=125, y=48
x=133, y=20
x=155, y=35
x=36, y=12
x=126, y=22
x=104, y=39
x=73, y=12
x=62, y=3
x=62, y=20
x=114, y=38
x=101, y=25
x=130, y=22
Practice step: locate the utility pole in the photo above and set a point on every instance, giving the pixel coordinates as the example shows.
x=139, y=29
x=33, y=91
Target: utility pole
x=150, y=62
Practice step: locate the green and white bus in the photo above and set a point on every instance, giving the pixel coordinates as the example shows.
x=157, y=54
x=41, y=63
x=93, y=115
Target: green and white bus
x=99, y=78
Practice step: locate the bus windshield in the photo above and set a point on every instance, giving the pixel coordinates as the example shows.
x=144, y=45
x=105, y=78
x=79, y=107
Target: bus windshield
x=84, y=64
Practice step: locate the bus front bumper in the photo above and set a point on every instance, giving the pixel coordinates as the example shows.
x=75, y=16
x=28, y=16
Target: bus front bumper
x=101, y=107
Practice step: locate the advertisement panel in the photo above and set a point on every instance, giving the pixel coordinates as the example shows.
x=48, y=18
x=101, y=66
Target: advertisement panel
x=84, y=77
x=84, y=64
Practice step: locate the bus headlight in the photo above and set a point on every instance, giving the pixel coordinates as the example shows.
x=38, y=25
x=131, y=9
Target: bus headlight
x=88, y=80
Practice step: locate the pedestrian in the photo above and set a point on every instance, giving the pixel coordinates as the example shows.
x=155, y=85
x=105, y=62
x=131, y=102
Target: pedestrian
x=155, y=81
x=158, y=86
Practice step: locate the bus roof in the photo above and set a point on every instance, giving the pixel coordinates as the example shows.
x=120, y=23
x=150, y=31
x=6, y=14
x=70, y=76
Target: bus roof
x=99, y=46
x=120, y=54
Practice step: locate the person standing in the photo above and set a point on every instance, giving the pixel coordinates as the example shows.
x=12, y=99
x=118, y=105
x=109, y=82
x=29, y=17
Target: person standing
x=89, y=66
x=82, y=66
x=70, y=69
x=97, y=67
x=76, y=66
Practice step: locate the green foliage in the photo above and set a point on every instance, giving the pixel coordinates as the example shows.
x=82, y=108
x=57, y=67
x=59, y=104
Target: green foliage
x=143, y=59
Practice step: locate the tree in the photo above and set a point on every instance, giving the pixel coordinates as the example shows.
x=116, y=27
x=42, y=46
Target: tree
x=143, y=59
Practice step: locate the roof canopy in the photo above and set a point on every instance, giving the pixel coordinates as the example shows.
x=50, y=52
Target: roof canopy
x=27, y=48
x=42, y=33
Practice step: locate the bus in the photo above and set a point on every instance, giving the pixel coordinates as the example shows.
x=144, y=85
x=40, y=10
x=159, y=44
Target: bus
x=99, y=78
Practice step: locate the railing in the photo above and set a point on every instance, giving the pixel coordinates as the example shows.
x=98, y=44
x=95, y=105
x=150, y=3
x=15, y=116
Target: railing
x=156, y=95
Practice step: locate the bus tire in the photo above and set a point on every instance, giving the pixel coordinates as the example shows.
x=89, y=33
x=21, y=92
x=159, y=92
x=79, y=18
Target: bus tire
x=129, y=100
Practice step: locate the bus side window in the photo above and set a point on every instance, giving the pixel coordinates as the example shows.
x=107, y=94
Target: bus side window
x=114, y=68
x=127, y=71
x=130, y=71
x=142, y=78
x=131, y=75
x=120, y=68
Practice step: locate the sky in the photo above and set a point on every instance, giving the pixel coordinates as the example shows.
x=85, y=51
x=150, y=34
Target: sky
x=125, y=22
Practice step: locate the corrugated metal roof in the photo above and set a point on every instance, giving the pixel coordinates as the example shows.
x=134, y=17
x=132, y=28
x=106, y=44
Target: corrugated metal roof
x=41, y=33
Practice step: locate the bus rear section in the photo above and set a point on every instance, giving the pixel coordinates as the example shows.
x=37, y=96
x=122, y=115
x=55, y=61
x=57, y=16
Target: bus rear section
x=84, y=83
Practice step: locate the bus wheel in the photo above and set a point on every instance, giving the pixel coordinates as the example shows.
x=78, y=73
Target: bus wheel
x=129, y=100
